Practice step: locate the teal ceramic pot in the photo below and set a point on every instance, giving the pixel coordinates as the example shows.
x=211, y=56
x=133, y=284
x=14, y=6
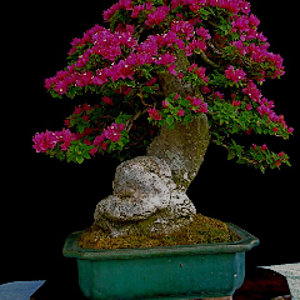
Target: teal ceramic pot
x=180, y=272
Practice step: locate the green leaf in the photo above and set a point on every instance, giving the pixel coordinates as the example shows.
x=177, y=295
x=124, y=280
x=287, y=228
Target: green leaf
x=177, y=9
x=262, y=169
x=187, y=119
x=170, y=122
x=241, y=161
x=79, y=159
x=231, y=155
x=122, y=118
x=86, y=155
x=205, y=13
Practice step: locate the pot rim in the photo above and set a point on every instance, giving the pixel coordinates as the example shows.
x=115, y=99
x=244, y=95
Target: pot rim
x=73, y=250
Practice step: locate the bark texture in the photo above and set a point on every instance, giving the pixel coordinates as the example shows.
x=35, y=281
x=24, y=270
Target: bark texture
x=149, y=192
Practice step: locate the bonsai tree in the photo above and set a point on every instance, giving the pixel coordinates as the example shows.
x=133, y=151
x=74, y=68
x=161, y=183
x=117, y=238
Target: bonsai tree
x=172, y=77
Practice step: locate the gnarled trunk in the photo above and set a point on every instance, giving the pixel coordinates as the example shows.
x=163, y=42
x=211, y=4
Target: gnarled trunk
x=149, y=192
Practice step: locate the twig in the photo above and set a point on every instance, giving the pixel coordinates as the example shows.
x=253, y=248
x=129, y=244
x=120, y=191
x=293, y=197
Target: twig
x=130, y=122
x=207, y=60
x=138, y=140
x=141, y=96
x=215, y=48
x=248, y=160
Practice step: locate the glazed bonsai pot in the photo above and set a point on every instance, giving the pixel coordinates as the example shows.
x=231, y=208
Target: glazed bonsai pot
x=179, y=272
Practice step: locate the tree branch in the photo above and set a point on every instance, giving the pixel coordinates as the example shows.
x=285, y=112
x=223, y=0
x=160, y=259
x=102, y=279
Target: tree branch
x=130, y=122
x=207, y=60
x=141, y=96
x=248, y=160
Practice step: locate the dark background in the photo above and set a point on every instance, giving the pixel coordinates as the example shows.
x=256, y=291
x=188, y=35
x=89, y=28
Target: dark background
x=43, y=200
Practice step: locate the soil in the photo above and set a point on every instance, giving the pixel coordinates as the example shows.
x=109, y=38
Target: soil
x=202, y=230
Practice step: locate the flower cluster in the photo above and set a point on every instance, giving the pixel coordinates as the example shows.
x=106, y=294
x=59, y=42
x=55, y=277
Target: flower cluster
x=234, y=6
x=265, y=107
x=225, y=59
x=112, y=133
x=157, y=16
x=234, y=75
x=198, y=104
x=49, y=140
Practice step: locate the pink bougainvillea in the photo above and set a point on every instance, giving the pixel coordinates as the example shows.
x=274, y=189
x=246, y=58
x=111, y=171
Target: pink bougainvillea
x=228, y=60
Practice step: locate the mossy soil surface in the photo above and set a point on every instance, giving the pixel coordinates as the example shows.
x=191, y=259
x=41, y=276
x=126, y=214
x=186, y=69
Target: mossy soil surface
x=202, y=230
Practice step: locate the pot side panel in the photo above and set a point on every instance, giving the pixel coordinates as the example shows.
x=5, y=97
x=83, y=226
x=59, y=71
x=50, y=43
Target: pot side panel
x=166, y=277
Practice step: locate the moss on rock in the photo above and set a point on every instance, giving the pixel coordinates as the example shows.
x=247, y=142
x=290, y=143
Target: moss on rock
x=202, y=230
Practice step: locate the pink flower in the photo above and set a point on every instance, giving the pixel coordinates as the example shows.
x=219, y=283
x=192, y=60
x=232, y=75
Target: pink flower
x=248, y=107
x=98, y=140
x=151, y=81
x=65, y=138
x=67, y=122
x=181, y=112
x=241, y=23
x=121, y=70
x=264, y=147
x=125, y=4
x=44, y=141
x=253, y=20
x=204, y=33
x=172, y=69
x=165, y=59
x=199, y=104
x=85, y=117
x=107, y=100
x=281, y=154
x=180, y=76
x=158, y=16
x=104, y=146
x=248, y=131
x=100, y=77
x=93, y=151
x=107, y=14
x=236, y=103
x=195, y=44
x=183, y=29
x=245, y=6
x=234, y=74
x=154, y=114
x=165, y=104
x=136, y=10
x=192, y=67
x=61, y=87
x=241, y=47
x=113, y=132
x=201, y=73
x=205, y=89
x=219, y=95
x=87, y=142
x=49, y=140
x=252, y=91
x=125, y=90
x=148, y=5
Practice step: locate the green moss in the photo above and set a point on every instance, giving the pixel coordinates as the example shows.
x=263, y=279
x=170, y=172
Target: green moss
x=202, y=230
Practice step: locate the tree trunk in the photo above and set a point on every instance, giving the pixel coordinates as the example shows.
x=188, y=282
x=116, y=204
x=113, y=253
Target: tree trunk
x=149, y=192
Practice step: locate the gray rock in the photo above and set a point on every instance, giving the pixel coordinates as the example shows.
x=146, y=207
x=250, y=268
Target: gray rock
x=145, y=199
x=149, y=192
